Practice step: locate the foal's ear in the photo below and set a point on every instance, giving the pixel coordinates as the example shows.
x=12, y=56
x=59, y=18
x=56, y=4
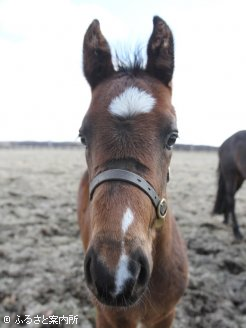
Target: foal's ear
x=97, y=61
x=160, y=51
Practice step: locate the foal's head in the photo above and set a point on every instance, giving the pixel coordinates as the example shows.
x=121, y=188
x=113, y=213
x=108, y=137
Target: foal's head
x=130, y=125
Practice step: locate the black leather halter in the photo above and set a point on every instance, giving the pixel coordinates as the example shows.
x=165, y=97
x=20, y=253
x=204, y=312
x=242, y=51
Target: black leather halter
x=134, y=179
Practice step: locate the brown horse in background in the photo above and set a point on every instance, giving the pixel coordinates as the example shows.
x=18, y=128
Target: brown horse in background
x=232, y=173
x=135, y=259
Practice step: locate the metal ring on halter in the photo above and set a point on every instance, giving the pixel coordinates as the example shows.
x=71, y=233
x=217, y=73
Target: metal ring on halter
x=161, y=213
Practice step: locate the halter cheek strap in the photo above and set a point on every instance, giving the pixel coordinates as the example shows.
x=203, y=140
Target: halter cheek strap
x=136, y=180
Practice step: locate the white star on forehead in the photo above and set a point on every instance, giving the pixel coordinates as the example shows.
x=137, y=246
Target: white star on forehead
x=131, y=102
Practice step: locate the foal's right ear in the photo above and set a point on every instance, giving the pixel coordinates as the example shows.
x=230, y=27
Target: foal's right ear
x=97, y=61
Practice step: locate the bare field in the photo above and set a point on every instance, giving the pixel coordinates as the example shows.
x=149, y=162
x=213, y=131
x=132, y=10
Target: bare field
x=41, y=257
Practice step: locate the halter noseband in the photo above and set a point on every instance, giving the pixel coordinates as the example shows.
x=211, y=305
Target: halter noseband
x=136, y=180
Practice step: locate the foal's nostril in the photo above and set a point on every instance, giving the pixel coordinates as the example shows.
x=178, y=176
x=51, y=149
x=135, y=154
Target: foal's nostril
x=97, y=276
x=139, y=268
x=87, y=269
x=143, y=276
x=143, y=271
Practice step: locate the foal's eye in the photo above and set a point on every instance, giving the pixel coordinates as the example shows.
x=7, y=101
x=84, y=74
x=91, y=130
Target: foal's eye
x=83, y=140
x=171, y=139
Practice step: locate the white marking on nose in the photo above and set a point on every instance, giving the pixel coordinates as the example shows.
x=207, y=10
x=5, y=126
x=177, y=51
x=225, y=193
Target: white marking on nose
x=127, y=220
x=131, y=102
x=122, y=273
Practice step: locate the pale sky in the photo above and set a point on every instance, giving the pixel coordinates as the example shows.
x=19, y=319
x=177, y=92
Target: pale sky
x=44, y=96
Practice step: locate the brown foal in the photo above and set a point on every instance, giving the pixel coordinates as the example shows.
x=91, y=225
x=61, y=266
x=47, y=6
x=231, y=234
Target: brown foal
x=135, y=259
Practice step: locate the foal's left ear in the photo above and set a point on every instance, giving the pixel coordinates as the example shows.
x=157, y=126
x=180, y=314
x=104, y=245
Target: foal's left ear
x=97, y=61
x=160, y=50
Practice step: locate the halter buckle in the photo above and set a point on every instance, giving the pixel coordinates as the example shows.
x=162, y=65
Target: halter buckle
x=161, y=212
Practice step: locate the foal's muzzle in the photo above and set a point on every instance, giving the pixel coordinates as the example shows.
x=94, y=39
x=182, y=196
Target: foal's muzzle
x=104, y=284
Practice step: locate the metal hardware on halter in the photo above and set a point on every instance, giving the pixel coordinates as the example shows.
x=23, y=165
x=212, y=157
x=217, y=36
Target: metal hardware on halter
x=136, y=180
x=161, y=213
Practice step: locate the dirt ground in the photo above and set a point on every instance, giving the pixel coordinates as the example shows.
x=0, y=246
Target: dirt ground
x=41, y=258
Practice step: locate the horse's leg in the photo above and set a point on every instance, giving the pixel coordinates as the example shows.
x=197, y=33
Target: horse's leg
x=231, y=210
x=232, y=184
x=230, y=200
x=236, y=229
x=227, y=191
x=226, y=217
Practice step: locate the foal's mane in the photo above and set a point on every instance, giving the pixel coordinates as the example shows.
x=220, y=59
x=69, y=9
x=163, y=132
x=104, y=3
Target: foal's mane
x=128, y=63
